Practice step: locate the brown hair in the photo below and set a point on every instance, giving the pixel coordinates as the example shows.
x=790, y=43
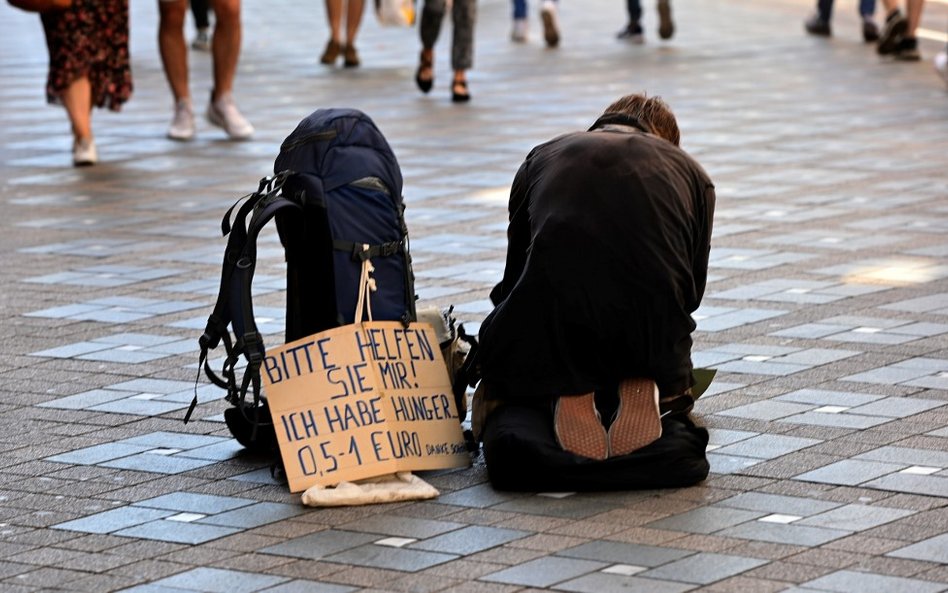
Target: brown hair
x=653, y=113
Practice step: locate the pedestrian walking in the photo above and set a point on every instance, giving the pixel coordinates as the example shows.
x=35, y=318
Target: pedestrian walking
x=819, y=23
x=337, y=46
x=463, y=15
x=88, y=66
x=898, y=34
x=549, y=16
x=635, y=33
x=202, y=22
x=225, y=49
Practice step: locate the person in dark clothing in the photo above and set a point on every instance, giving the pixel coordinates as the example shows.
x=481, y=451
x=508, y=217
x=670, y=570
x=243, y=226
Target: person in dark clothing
x=607, y=258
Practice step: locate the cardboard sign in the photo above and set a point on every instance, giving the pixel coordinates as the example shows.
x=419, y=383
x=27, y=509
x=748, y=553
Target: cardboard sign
x=360, y=401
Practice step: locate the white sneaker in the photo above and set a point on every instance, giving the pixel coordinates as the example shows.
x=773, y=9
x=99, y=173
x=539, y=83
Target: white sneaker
x=224, y=114
x=182, y=125
x=551, y=25
x=84, y=153
x=202, y=41
x=941, y=65
x=519, y=33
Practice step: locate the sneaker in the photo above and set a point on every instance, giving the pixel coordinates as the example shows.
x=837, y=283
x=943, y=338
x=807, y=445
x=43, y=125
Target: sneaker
x=892, y=33
x=519, y=32
x=907, y=50
x=666, y=28
x=632, y=32
x=817, y=26
x=182, y=125
x=551, y=26
x=202, y=41
x=870, y=32
x=84, y=153
x=941, y=65
x=637, y=422
x=578, y=427
x=223, y=113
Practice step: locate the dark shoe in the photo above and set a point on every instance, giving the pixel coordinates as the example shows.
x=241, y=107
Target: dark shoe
x=333, y=49
x=907, y=50
x=424, y=76
x=632, y=32
x=817, y=26
x=666, y=28
x=459, y=93
x=637, y=422
x=870, y=32
x=892, y=33
x=350, y=57
x=578, y=427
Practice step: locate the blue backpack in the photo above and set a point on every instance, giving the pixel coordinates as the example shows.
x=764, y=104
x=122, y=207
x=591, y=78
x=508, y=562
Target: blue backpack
x=337, y=199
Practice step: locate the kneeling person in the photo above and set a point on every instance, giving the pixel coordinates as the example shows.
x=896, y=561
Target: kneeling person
x=607, y=258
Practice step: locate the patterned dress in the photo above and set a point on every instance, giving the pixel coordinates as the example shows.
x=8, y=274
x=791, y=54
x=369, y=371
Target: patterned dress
x=90, y=39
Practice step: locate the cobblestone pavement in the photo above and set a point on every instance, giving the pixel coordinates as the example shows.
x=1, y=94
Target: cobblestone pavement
x=826, y=313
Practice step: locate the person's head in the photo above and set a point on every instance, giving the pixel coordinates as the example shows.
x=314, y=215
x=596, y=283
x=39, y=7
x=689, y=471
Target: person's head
x=651, y=112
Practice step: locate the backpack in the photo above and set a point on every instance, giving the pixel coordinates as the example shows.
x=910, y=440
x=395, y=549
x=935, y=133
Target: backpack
x=337, y=199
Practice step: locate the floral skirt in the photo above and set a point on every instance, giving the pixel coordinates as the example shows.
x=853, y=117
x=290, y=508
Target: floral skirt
x=90, y=39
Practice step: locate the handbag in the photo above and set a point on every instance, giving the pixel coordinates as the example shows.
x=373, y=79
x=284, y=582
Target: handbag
x=41, y=5
x=398, y=13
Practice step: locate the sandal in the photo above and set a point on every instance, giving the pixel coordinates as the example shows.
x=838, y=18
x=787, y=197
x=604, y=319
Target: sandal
x=460, y=97
x=350, y=57
x=425, y=66
x=333, y=49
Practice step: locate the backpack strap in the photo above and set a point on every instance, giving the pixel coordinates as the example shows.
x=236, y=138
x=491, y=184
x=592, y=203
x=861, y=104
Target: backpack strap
x=216, y=329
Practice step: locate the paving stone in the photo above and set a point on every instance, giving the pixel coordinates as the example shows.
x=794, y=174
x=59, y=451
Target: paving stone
x=855, y=517
x=934, y=549
x=705, y=520
x=778, y=533
x=773, y=503
x=601, y=582
x=767, y=446
x=392, y=558
x=703, y=568
x=470, y=540
x=622, y=553
x=320, y=545
x=215, y=580
x=544, y=572
x=848, y=580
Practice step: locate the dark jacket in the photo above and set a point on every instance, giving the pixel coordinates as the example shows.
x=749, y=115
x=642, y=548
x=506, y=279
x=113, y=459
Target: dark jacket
x=607, y=258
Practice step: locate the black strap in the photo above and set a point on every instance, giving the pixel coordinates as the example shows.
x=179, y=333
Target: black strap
x=360, y=253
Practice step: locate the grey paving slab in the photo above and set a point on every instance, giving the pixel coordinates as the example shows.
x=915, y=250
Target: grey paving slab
x=791, y=534
x=115, y=520
x=254, y=515
x=849, y=472
x=912, y=484
x=623, y=553
x=767, y=446
x=934, y=549
x=402, y=526
x=216, y=580
x=177, y=532
x=850, y=580
x=470, y=540
x=373, y=556
x=706, y=520
x=608, y=583
x=320, y=544
x=855, y=517
x=544, y=572
x=776, y=503
x=704, y=568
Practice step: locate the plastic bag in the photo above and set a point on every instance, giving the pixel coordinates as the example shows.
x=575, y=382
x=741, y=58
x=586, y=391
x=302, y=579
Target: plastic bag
x=396, y=13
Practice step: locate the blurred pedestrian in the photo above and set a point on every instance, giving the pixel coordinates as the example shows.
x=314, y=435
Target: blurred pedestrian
x=819, y=23
x=548, y=14
x=941, y=63
x=88, y=66
x=463, y=14
x=225, y=49
x=202, y=22
x=633, y=31
x=898, y=34
x=337, y=46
